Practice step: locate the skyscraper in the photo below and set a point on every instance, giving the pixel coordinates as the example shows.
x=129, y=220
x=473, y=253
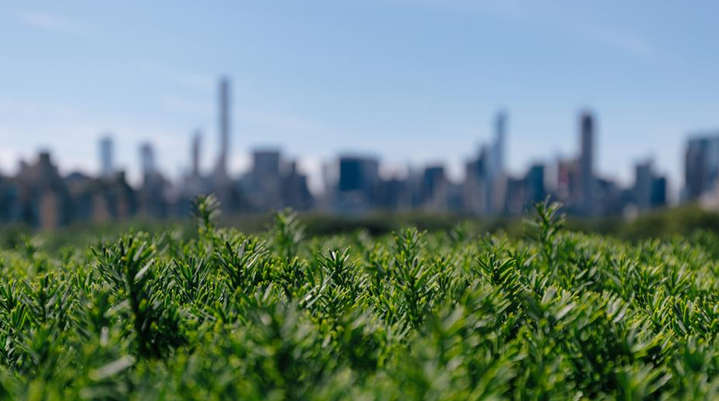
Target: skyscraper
x=534, y=181
x=358, y=173
x=496, y=177
x=586, y=163
x=701, y=165
x=264, y=180
x=659, y=192
x=195, y=153
x=433, y=179
x=500, y=128
x=357, y=183
x=643, y=179
x=147, y=160
x=106, y=156
x=224, y=127
x=435, y=189
x=266, y=163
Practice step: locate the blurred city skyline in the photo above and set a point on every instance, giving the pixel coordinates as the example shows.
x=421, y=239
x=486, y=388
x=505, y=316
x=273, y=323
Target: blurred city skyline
x=411, y=81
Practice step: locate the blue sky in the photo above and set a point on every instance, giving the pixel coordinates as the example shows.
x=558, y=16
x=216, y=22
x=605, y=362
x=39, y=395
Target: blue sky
x=412, y=81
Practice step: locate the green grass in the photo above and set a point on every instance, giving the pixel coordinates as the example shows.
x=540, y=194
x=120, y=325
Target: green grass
x=208, y=313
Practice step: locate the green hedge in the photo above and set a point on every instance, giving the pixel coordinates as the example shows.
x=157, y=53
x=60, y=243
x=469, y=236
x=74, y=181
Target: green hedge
x=210, y=313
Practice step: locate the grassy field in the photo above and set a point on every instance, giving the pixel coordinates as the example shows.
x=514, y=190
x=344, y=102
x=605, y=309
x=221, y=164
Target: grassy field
x=208, y=313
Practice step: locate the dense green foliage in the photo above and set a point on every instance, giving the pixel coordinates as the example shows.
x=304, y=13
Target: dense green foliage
x=455, y=315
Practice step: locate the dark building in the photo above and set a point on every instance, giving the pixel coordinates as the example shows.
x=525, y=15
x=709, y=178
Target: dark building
x=567, y=183
x=534, y=181
x=295, y=192
x=435, y=189
x=586, y=163
x=475, y=186
x=273, y=183
x=659, y=192
x=650, y=189
x=195, y=153
x=484, y=188
x=263, y=184
x=147, y=161
x=610, y=199
x=193, y=182
x=9, y=201
x=107, y=167
x=701, y=166
x=266, y=163
x=643, y=181
x=42, y=195
x=80, y=186
x=152, y=197
x=434, y=180
x=113, y=198
x=394, y=194
x=357, y=184
x=516, y=199
x=358, y=173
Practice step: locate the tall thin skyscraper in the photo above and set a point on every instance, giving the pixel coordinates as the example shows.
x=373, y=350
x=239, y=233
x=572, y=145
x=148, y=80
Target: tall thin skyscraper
x=643, y=179
x=586, y=162
x=224, y=126
x=147, y=160
x=196, y=143
x=106, y=156
x=500, y=127
x=495, y=193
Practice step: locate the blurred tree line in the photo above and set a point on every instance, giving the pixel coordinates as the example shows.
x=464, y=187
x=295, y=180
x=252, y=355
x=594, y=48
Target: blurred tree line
x=680, y=221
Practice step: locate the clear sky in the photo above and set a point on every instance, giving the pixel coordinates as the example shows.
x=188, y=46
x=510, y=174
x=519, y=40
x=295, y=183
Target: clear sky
x=409, y=80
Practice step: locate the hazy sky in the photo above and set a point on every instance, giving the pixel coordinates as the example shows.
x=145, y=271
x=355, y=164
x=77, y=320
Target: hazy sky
x=409, y=80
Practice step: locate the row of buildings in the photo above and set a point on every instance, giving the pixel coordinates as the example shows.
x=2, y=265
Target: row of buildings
x=40, y=196
x=489, y=190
